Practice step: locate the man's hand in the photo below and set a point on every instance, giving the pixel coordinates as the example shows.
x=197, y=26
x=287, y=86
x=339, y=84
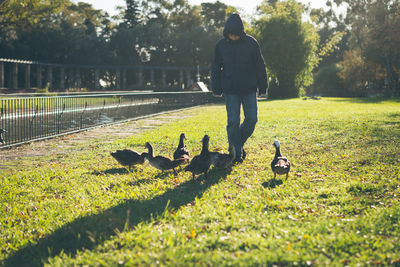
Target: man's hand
x=217, y=95
x=261, y=95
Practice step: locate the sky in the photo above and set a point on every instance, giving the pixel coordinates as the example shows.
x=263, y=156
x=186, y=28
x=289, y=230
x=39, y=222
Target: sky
x=247, y=6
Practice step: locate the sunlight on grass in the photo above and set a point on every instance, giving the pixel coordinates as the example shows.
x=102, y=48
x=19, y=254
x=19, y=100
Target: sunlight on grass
x=340, y=205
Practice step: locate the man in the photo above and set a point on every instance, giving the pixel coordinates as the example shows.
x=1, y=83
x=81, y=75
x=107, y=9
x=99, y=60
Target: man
x=237, y=71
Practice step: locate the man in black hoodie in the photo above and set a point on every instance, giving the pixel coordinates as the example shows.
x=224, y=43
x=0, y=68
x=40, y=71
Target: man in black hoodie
x=237, y=71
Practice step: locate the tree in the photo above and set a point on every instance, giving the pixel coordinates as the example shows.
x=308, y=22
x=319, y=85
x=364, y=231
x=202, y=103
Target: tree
x=375, y=32
x=213, y=15
x=132, y=16
x=289, y=46
x=52, y=31
x=358, y=76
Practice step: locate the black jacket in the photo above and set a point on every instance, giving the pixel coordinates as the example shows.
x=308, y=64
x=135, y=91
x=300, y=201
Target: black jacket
x=238, y=66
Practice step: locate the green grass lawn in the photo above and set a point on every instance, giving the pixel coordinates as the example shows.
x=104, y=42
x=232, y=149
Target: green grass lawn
x=340, y=205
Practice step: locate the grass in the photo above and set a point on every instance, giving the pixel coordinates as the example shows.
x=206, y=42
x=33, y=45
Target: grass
x=340, y=205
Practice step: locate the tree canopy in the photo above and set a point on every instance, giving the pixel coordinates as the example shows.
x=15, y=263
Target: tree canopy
x=358, y=51
x=289, y=46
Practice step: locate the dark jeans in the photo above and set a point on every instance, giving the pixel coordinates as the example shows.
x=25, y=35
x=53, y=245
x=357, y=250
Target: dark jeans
x=239, y=133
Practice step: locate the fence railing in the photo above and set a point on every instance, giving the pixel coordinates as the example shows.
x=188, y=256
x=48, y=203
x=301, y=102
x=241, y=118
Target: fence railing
x=33, y=118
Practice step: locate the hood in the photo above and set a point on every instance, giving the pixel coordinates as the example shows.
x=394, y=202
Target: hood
x=234, y=25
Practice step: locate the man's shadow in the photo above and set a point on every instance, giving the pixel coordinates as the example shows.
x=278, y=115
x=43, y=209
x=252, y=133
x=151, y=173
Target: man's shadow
x=89, y=231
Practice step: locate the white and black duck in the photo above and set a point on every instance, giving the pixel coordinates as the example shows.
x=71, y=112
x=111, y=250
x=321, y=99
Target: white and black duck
x=2, y=131
x=280, y=164
x=181, y=151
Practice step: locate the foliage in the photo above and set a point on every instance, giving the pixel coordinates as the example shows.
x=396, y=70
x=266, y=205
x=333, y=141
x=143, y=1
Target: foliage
x=176, y=33
x=373, y=33
x=340, y=205
x=147, y=32
x=332, y=32
x=359, y=77
x=52, y=31
x=289, y=46
x=327, y=82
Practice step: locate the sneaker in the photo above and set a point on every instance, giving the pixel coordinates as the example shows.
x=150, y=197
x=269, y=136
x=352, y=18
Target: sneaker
x=243, y=154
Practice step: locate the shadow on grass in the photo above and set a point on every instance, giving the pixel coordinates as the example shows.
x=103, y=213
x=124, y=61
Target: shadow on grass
x=395, y=115
x=272, y=183
x=366, y=100
x=90, y=231
x=120, y=171
x=111, y=171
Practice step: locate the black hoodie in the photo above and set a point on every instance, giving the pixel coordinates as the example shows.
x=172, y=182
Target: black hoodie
x=238, y=66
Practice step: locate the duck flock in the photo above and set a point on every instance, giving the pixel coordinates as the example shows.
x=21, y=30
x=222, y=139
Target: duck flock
x=199, y=164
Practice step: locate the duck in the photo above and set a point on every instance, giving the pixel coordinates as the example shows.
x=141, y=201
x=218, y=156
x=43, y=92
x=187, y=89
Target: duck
x=280, y=164
x=1, y=135
x=181, y=151
x=160, y=162
x=129, y=157
x=223, y=160
x=200, y=163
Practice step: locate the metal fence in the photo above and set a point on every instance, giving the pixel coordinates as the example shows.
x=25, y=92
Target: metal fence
x=33, y=118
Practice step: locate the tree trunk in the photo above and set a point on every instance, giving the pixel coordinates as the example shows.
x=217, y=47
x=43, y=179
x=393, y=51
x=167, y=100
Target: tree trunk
x=389, y=76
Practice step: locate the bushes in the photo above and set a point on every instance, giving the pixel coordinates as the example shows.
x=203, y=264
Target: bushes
x=327, y=83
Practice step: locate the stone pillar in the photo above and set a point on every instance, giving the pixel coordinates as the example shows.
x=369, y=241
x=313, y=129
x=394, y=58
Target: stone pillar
x=78, y=78
x=39, y=76
x=1, y=75
x=49, y=77
x=124, y=78
x=14, y=76
x=27, y=76
x=152, y=78
x=118, y=73
x=62, y=79
x=140, y=78
x=181, y=84
x=188, y=79
x=164, y=79
x=96, y=79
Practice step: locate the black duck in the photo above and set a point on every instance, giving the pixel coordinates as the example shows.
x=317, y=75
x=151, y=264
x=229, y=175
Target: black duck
x=223, y=160
x=1, y=135
x=181, y=151
x=200, y=163
x=280, y=165
x=160, y=162
x=129, y=157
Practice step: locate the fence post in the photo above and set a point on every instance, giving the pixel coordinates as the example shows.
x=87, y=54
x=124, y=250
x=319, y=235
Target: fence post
x=28, y=76
x=1, y=75
x=15, y=76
